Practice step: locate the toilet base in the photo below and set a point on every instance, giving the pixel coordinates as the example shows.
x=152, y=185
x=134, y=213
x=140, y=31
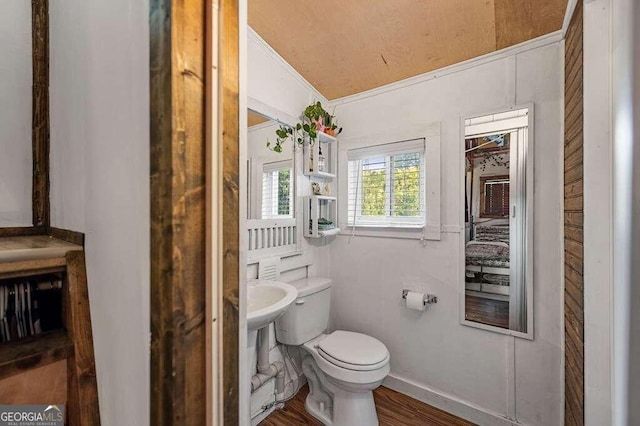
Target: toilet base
x=335, y=406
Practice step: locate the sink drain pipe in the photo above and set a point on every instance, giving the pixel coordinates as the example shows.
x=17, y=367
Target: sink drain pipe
x=267, y=370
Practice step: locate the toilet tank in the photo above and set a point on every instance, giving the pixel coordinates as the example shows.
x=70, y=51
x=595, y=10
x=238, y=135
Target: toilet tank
x=308, y=316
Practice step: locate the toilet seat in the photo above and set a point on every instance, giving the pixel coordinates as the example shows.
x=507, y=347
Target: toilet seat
x=353, y=351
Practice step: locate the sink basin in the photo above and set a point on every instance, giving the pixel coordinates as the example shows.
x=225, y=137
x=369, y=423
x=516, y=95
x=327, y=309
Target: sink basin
x=267, y=300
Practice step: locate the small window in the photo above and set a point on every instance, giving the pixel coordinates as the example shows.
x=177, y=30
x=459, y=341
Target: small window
x=494, y=196
x=386, y=185
x=277, y=197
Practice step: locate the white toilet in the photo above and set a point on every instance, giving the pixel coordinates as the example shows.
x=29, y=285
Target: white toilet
x=343, y=368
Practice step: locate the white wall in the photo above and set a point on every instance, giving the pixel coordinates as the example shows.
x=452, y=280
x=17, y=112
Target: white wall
x=274, y=88
x=625, y=74
x=505, y=376
x=598, y=201
x=273, y=83
x=100, y=182
x=15, y=113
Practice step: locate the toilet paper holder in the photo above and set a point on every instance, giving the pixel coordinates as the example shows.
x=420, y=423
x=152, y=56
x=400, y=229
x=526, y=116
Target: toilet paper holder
x=428, y=298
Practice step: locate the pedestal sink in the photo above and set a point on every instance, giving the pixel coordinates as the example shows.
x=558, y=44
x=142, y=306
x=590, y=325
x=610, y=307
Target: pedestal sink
x=267, y=300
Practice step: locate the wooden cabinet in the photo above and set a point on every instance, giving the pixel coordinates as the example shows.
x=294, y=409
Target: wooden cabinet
x=30, y=366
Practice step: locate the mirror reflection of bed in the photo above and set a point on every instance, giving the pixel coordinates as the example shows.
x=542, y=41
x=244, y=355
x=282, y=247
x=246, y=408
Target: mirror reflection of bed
x=489, y=199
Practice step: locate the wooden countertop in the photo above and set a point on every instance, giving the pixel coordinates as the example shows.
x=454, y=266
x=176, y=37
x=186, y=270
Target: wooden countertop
x=16, y=249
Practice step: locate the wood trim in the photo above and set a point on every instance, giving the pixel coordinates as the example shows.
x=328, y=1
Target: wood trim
x=26, y=354
x=73, y=237
x=82, y=387
x=229, y=150
x=40, y=117
x=31, y=267
x=211, y=231
x=23, y=231
x=573, y=222
x=178, y=281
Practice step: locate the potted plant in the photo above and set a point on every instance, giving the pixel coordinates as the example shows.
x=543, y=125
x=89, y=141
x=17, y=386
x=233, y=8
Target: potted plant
x=315, y=119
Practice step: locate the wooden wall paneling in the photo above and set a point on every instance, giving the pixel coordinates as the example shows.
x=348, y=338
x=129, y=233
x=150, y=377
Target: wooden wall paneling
x=178, y=284
x=161, y=321
x=40, y=116
x=229, y=135
x=573, y=223
x=83, y=408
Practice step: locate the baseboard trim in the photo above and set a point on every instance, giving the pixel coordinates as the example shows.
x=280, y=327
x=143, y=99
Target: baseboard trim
x=448, y=403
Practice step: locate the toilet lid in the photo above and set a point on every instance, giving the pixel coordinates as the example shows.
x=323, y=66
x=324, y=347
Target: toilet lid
x=354, y=351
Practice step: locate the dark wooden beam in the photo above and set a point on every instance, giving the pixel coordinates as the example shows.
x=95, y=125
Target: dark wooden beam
x=229, y=154
x=40, y=115
x=23, y=231
x=82, y=387
x=178, y=284
x=73, y=237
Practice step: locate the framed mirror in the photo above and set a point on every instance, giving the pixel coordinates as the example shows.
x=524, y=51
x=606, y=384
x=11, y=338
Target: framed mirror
x=497, y=212
x=271, y=196
x=16, y=79
x=271, y=174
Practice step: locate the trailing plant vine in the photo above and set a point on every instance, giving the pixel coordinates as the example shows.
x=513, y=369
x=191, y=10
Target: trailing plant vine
x=314, y=119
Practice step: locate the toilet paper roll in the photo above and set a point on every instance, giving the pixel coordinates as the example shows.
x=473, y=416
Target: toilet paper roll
x=415, y=301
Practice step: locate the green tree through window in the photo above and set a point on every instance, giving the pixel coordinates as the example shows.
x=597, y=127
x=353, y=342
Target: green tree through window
x=406, y=185
x=386, y=185
x=284, y=189
x=404, y=178
x=374, y=187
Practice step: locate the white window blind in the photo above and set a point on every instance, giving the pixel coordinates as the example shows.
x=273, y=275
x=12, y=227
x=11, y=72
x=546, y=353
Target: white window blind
x=277, y=195
x=386, y=185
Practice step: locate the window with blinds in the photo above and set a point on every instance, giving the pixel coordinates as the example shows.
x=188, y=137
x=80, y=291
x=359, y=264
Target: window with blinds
x=494, y=196
x=386, y=185
x=277, y=196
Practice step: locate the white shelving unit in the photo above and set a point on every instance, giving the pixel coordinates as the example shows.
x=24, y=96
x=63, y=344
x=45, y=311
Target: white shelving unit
x=316, y=207
x=329, y=148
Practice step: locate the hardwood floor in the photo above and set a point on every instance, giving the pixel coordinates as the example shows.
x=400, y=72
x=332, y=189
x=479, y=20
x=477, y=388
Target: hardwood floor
x=394, y=409
x=487, y=311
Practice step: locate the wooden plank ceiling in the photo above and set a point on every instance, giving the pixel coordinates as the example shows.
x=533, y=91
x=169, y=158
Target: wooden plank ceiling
x=346, y=47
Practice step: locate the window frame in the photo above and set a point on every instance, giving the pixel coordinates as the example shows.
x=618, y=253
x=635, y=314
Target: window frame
x=388, y=220
x=274, y=168
x=483, y=180
x=431, y=133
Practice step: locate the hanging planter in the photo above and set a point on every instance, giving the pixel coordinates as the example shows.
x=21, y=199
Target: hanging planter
x=314, y=120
